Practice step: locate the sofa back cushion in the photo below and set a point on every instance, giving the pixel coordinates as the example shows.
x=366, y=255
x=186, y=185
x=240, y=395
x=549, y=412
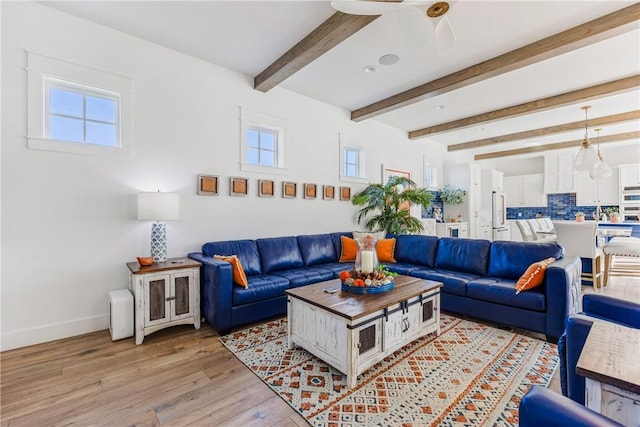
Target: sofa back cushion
x=337, y=244
x=245, y=250
x=509, y=260
x=416, y=249
x=464, y=255
x=279, y=253
x=317, y=249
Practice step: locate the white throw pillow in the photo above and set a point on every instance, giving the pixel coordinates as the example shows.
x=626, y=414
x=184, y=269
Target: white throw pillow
x=378, y=235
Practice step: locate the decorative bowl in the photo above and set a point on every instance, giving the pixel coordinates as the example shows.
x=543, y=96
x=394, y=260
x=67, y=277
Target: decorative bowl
x=363, y=290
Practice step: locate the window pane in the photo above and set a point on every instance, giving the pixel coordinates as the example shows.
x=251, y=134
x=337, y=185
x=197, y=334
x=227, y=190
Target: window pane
x=101, y=109
x=267, y=158
x=65, y=102
x=253, y=138
x=252, y=156
x=350, y=156
x=101, y=134
x=351, y=170
x=267, y=141
x=66, y=129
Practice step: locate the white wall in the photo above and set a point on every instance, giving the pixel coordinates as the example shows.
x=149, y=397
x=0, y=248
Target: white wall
x=68, y=220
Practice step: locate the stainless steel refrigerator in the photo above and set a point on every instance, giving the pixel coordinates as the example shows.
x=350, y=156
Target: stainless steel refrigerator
x=499, y=217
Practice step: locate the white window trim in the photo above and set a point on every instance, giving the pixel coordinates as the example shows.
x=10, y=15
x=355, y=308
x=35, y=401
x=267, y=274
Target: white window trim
x=39, y=69
x=346, y=141
x=252, y=119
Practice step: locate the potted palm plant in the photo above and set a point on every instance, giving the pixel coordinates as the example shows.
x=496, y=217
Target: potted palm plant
x=390, y=203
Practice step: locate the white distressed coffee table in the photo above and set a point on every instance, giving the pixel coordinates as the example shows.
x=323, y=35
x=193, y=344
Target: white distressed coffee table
x=354, y=332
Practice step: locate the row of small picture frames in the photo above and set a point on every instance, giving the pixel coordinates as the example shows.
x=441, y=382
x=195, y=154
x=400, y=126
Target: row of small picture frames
x=209, y=185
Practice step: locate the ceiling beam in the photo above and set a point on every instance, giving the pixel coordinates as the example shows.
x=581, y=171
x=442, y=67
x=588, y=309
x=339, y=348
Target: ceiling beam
x=599, y=29
x=550, y=130
x=580, y=95
x=556, y=146
x=326, y=36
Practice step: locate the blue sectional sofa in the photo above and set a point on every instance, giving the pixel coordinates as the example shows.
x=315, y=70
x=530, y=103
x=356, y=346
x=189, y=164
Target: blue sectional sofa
x=479, y=277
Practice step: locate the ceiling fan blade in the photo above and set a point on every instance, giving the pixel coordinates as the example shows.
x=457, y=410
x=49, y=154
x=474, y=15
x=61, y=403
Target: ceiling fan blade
x=445, y=36
x=363, y=7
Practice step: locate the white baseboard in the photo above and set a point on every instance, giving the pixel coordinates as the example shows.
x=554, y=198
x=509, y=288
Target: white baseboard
x=37, y=335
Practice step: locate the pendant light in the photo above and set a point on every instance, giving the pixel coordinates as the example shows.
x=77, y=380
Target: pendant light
x=600, y=170
x=587, y=156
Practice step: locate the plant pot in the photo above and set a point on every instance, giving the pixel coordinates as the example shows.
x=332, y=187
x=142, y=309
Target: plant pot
x=614, y=219
x=580, y=218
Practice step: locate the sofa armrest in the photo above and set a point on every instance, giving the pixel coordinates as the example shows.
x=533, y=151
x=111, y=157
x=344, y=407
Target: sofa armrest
x=614, y=309
x=562, y=294
x=543, y=407
x=216, y=291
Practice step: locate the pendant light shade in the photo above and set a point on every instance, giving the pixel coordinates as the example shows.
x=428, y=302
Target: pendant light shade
x=587, y=156
x=601, y=170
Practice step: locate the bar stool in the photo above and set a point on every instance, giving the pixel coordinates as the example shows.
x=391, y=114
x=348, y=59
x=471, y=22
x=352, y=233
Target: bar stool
x=622, y=247
x=579, y=239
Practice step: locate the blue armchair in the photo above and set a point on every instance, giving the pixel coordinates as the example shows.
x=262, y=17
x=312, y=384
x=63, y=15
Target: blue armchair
x=595, y=306
x=542, y=407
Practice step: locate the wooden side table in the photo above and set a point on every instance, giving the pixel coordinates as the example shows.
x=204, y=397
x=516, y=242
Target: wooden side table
x=610, y=362
x=166, y=294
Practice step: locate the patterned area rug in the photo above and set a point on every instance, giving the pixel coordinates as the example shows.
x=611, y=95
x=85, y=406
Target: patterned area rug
x=472, y=375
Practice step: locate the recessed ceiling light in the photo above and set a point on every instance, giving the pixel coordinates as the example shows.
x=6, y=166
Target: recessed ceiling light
x=440, y=107
x=369, y=69
x=388, y=59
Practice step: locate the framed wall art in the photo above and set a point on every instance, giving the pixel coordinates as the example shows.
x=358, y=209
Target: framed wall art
x=345, y=193
x=328, y=192
x=310, y=191
x=266, y=188
x=389, y=172
x=289, y=190
x=207, y=185
x=239, y=186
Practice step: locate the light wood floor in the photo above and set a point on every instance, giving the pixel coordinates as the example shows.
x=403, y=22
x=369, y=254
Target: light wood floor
x=178, y=376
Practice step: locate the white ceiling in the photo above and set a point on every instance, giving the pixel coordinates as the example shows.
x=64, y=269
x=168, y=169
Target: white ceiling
x=247, y=36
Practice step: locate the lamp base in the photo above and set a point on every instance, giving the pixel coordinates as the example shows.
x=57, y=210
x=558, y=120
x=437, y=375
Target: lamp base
x=159, y=242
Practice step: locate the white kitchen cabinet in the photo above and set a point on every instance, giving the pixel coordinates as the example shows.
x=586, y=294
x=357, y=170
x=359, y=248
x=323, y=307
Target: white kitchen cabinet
x=525, y=191
x=497, y=181
x=559, y=176
x=603, y=192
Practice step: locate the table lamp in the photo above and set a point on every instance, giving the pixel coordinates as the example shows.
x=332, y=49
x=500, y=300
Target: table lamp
x=158, y=207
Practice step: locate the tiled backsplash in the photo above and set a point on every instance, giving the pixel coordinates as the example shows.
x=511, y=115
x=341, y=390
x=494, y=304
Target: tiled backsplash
x=559, y=207
x=436, y=202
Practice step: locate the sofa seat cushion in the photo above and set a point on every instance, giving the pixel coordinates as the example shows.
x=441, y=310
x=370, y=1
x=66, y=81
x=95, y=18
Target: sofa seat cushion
x=403, y=267
x=336, y=267
x=305, y=276
x=464, y=255
x=510, y=260
x=261, y=287
x=416, y=249
x=453, y=282
x=317, y=249
x=245, y=250
x=503, y=291
x=279, y=253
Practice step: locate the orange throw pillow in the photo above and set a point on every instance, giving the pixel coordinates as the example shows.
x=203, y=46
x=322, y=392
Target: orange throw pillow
x=349, y=249
x=239, y=278
x=385, y=249
x=534, y=275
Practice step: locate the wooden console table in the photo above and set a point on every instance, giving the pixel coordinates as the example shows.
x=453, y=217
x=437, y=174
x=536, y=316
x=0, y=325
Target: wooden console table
x=610, y=362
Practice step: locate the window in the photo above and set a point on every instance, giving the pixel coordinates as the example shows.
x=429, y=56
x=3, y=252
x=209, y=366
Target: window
x=262, y=146
x=76, y=109
x=78, y=113
x=262, y=143
x=351, y=160
x=430, y=174
x=351, y=163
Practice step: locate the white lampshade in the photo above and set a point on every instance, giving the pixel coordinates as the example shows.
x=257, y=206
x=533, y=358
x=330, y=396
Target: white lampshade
x=158, y=206
x=600, y=170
